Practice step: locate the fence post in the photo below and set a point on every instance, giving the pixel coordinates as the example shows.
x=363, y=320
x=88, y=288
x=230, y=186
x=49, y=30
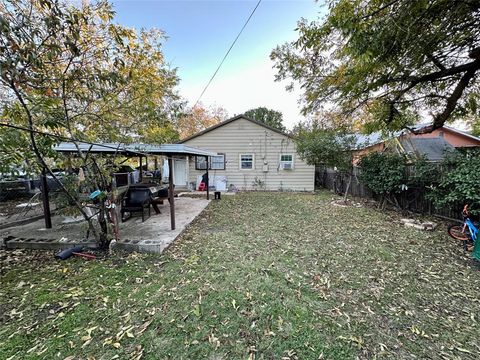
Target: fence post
x=46, y=203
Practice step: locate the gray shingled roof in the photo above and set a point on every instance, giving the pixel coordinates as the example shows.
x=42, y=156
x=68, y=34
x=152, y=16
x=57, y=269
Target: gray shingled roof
x=434, y=149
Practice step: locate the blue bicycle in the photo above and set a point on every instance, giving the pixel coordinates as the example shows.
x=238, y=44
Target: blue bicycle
x=467, y=233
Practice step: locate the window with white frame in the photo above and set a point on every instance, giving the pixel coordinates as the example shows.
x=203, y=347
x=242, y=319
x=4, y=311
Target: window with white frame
x=215, y=162
x=286, y=161
x=246, y=161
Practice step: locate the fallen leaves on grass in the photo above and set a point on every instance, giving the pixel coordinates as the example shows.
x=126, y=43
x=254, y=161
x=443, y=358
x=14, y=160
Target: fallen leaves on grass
x=257, y=275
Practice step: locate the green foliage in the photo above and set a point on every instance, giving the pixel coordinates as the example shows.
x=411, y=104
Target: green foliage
x=267, y=116
x=422, y=173
x=383, y=62
x=326, y=148
x=383, y=173
x=476, y=127
x=63, y=203
x=72, y=71
x=68, y=69
x=459, y=183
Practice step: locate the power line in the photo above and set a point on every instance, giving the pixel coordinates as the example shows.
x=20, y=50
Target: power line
x=228, y=52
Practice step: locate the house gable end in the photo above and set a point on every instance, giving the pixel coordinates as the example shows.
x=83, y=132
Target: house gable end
x=229, y=121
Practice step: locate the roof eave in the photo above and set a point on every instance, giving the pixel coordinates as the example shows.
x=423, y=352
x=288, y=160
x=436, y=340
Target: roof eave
x=228, y=121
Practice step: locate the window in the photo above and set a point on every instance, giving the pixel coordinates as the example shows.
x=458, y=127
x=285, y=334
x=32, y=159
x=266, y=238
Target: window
x=246, y=162
x=286, y=161
x=200, y=163
x=215, y=162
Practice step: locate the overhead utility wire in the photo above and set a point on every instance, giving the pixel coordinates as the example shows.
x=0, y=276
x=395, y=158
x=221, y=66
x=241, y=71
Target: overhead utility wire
x=228, y=52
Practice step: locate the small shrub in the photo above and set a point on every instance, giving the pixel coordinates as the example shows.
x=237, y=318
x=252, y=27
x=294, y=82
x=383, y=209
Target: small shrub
x=258, y=184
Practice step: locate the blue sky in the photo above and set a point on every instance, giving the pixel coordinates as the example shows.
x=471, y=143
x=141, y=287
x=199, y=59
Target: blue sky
x=200, y=32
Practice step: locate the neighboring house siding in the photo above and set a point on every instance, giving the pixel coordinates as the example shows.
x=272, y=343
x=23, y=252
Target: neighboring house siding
x=245, y=137
x=358, y=154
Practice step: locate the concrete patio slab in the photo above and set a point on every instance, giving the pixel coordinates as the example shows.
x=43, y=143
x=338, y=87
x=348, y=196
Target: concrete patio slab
x=153, y=235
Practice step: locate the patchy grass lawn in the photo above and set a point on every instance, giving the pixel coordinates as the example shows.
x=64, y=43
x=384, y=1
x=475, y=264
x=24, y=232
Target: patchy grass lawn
x=259, y=276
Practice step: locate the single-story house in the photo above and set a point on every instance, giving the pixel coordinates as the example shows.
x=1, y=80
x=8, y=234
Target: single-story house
x=250, y=156
x=433, y=146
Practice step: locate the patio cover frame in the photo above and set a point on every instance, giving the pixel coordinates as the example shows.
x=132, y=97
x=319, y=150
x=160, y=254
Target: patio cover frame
x=140, y=150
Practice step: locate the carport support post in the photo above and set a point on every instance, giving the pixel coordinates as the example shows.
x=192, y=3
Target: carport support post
x=46, y=203
x=170, y=193
x=208, y=180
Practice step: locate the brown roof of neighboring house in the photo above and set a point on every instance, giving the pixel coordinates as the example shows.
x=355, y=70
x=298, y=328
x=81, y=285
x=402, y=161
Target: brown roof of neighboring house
x=232, y=120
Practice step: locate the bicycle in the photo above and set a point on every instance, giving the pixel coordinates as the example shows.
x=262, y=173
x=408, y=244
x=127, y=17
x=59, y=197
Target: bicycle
x=110, y=211
x=467, y=233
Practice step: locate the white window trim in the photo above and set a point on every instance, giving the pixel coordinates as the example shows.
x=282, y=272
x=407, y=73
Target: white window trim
x=240, y=162
x=224, y=162
x=280, y=162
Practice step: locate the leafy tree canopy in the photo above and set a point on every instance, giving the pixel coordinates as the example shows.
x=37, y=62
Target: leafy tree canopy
x=474, y=123
x=68, y=69
x=198, y=118
x=325, y=147
x=325, y=120
x=385, y=63
x=267, y=116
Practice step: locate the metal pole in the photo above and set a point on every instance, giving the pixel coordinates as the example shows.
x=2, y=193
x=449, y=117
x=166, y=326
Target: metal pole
x=170, y=193
x=140, y=176
x=46, y=203
x=208, y=180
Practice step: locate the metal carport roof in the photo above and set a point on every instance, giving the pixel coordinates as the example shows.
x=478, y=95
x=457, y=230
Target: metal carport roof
x=140, y=150
x=132, y=149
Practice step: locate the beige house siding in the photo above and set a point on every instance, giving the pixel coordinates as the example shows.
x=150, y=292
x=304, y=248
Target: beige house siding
x=245, y=137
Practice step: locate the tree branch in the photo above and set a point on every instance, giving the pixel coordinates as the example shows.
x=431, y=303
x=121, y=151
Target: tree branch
x=42, y=161
x=452, y=100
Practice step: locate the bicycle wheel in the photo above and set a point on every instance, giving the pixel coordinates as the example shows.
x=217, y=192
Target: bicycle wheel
x=457, y=232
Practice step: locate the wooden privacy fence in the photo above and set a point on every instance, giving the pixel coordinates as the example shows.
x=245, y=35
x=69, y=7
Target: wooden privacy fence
x=413, y=199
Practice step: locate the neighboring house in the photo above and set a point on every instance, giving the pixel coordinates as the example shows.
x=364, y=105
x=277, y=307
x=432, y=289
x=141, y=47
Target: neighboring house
x=433, y=146
x=251, y=155
x=456, y=138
